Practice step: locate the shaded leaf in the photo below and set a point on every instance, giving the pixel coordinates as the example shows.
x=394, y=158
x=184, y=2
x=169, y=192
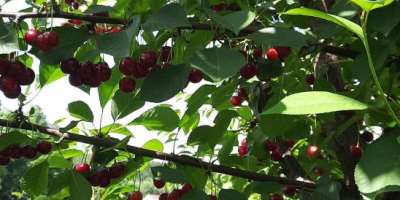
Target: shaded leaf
x=169, y=175
x=124, y=104
x=79, y=187
x=80, y=110
x=279, y=36
x=31, y=178
x=234, y=21
x=168, y=17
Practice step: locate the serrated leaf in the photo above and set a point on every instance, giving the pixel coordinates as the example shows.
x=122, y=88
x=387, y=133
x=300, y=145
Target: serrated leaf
x=169, y=175
x=116, y=128
x=218, y=63
x=166, y=83
x=124, y=104
x=195, y=194
x=12, y=138
x=79, y=187
x=234, y=21
x=328, y=191
x=355, y=28
x=158, y=118
x=168, y=17
x=279, y=36
x=80, y=110
x=228, y=194
x=31, y=178
x=314, y=102
x=107, y=89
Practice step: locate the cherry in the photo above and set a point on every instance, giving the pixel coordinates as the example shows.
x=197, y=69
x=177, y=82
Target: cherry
x=87, y=70
x=127, y=66
x=4, y=161
x=232, y=7
x=31, y=35
x=104, y=180
x=5, y=153
x=163, y=196
x=75, y=22
x=15, y=152
x=355, y=151
x=158, y=183
x=318, y=171
x=276, y=197
x=137, y=195
x=311, y=151
x=174, y=195
x=154, y=68
x=44, y=147
x=148, y=59
x=242, y=151
x=116, y=171
x=27, y=78
x=17, y=69
x=47, y=40
x=66, y=25
x=29, y=152
x=186, y=188
x=310, y=79
x=92, y=82
x=236, y=101
x=141, y=71
x=76, y=6
x=94, y=180
x=101, y=14
x=242, y=93
x=290, y=143
x=367, y=136
x=70, y=66
x=14, y=93
x=212, y=197
x=75, y=80
x=276, y=155
x=116, y=29
x=257, y=52
x=82, y=167
x=103, y=71
x=68, y=2
x=270, y=145
x=7, y=83
x=127, y=85
x=195, y=76
x=220, y=7
x=283, y=52
x=165, y=53
x=248, y=71
x=289, y=191
x=244, y=144
x=272, y=54
x=5, y=65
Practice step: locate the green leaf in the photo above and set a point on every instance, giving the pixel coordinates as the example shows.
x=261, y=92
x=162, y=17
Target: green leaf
x=12, y=138
x=124, y=104
x=57, y=161
x=355, y=28
x=165, y=83
x=66, y=47
x=58, y=183
x=384, y=171
x=8, y=38
x=202, y=135
x=268, y=187
x=328, y=191
x=169, y=175
x=118, y=44
x=80, y=110
x=276, y=125
x=99, y=8
x=158, y=118
x=49, y=74
x=116, y=128
x=70, y=126
x=228, y=194
x=369, y=5
x=391, y=16
x=218, y=63
x=154, y=145
x=269, y=69
x=235, y=21
x=31, y=178
x=279, y=36
x=107, y=89
x=157, y=4
x=120, y=145
x=168, y=17
x=314, y=102
x=195, y=194
x=79, y=187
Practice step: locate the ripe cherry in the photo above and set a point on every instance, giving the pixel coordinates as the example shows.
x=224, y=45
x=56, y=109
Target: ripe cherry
x=44, y=147
x=195, y=76
x=141, y=71
x=82, y=167
x=174, y=195
x=232, y=7
x=87, y=70
x=31, y=35
x=14, y=93
x=367, y=136
x=29, y=152
x=289, y=191
x=212, y=197
x=94, y=180
x=154, y=68
x=158, y=183
x=4, y=161
x=244, y=144
x=116, y=171
x=27, y=78
x=70, y=66
x=248, y=71
x=5, y=65
x=127, y=85
x=272, y=54
x=47, y=40
x=257, y=52
x=311, y=151
x=242, y=151
x=276, y=155
x=15, y=152
x=5, y=153
x=270, y=145
x=68, y=2
x=17, y=69
x=127, y=66
x=186, y=188
x=356, y=152
x=7, y=84
x=103, y=71
x=116, y=29
x=148, y=59
x=76, y=80
x=66, y=25
x=92, y=82
x=163, y=196
x=104, y=180
x=276, y=197
x=310, y=79
x=283, y=51
x=219, y=7
x=290, y=143
x=318, y=171
x=165, y=53
x=76, y=6
x=75, y=22
x=137, y=195
x=236, y=101
x=242, y=93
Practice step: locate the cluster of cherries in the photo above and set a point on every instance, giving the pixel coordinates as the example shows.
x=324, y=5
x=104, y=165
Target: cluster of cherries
x=102, y=178
x=86, y=73
x=26, y=151
x=223, y=6
x=13, y=75
x=44, y=41
x=74, y=4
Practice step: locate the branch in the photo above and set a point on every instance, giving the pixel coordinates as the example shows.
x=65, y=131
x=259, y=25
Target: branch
x=19, y=17
x=184, y=160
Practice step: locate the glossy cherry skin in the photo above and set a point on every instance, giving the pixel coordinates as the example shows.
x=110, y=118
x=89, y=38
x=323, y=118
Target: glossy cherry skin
x=257, y=52
x=70, y=66
x=272, y=54
x=105, y=180
x=148, y=59
x=158, y=183
x=127, y=66
x=82, y=167
x=141, y=71
x=44, y=147
x=242, y=151
x=31, y=35
x=127, y=85
x=137, y=195
x=248, y=71
x=154, y=68
x=311, y=151
x=276, y=155
x=270, y=145
x=47, y=40
x=186, y=188
x=195, y=76
x=356, y=152
x=236, y=101
x=244, y=144
x=276, y=197
x=242, y=93
x=174, y=195
x=165, y=53
x=87, y=70
x=14, y=93
x=27, y=78
x=94, y=180
x=310, y=79
x=76, y=80
x=116, y=171
x=29, y=152
x=15, y=152
x=283, y=51
x=103, y=72
x=17, y=69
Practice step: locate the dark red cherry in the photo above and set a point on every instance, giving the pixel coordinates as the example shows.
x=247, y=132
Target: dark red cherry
x=127, y=85
x=14, y=93
x=44, y=147
x=27, y=78
x=154, y=68
x=276, y=155
x=165, y=53
x=283, y=52
x=148, y=59
x=158, y=183
x=29, y=152
x=127, y=66
x=257, y=52
x=70, y=66
x=103, y=72
x=116, y=171
x=141, y=71
x=15, y=152
x=47, y=40
x=248, y=71
x=7, y=83
x=94, y=180
x=87, y=70
x=82, y=167
x=195, y=75
x=367, y=136
x=5, y=65
x=270, y=145
x=163, y=196
x=17, y=69
x=104, y=180
x=4, y=161
x=76, y=80
x=31, y=35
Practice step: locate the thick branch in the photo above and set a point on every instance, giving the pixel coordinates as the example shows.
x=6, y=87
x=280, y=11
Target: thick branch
x=184, y=160
x=19, y=17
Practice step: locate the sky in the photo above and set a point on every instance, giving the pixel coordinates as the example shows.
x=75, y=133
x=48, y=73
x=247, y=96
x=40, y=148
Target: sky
x=55, y=97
